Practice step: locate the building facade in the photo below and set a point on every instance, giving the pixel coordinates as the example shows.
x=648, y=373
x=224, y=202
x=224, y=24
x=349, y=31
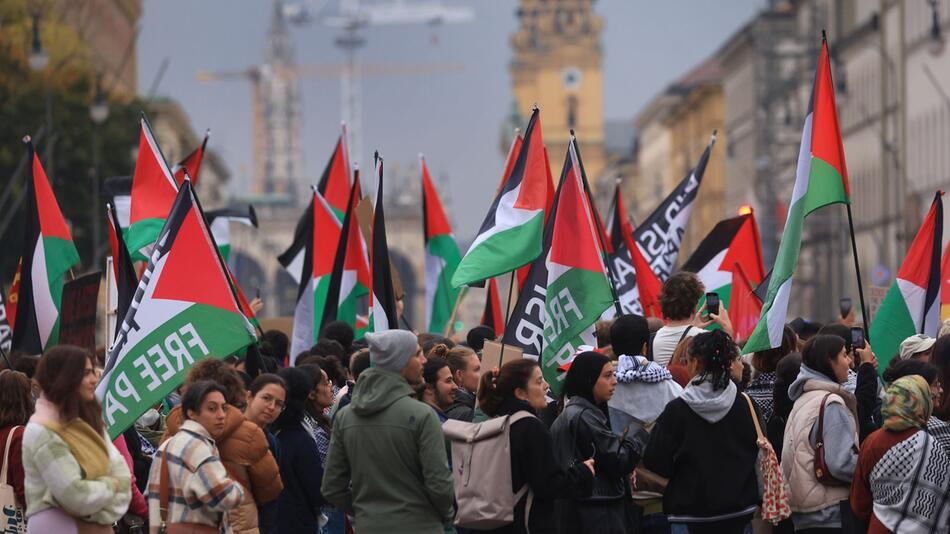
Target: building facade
x=557, y=65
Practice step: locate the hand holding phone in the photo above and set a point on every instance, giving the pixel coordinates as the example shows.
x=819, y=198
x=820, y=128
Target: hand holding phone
x=712, y=303
x=857, y=337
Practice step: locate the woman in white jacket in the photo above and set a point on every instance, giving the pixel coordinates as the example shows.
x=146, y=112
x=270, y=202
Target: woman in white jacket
x=823, y=412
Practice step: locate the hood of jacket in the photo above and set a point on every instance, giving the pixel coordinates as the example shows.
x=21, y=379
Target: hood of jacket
x=377, y=389
x=804, y=375
x=709, y=404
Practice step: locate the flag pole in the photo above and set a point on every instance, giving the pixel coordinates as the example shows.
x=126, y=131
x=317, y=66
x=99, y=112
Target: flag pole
x=455, y=310
x=511, y=289
x=857, y=270
x=600, y=237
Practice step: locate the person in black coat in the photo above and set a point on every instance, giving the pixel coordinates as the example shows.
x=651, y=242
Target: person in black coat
x=519, y=386
x=298, y=506
x=583, y=431
x=705, y=443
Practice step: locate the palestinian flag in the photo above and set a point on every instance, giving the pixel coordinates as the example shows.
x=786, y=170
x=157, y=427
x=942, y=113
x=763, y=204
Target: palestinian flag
x=569, y=278
x=912, y=304
x=382, y=295
x=300, y=252
x=578, y=290
x=733, y=241
x=442, y=257
x=492, y=315
x=350, y=279
x=312, y=290
x=945, y=285
x=638, y=287
x=661, y=234
x=220, y=223
x=334, y=184
x=821, y=179
x=192, y=163
x=125, y=279
x=184, y=311
x=48, y=252
x=153, y=192
x=510, y=236
x=745, y=307
x=522, y=273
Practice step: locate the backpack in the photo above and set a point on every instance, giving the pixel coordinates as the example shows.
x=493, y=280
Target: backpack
x=481, y=472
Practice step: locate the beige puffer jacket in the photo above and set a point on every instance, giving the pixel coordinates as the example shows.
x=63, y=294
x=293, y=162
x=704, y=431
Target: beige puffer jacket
x=806, y=494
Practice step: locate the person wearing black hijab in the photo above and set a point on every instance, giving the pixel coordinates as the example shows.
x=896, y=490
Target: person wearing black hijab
x=583, y=431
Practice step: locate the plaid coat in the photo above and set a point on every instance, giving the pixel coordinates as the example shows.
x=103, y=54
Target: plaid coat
x=199, y=488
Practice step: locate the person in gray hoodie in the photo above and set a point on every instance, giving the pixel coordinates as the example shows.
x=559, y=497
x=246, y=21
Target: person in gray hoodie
x=387, y=461
x=643, y=387
x=824, y=411
x=704, y=442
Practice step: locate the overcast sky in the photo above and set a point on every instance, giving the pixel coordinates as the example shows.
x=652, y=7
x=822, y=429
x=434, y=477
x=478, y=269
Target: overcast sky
x=455, y=118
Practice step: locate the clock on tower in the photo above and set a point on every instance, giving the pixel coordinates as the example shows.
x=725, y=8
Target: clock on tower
x=556, y=63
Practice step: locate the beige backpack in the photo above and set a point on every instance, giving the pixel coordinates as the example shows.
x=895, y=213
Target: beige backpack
x=481, y=470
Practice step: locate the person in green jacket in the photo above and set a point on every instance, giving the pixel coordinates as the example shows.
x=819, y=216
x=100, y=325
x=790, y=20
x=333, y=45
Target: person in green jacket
x=387, y=462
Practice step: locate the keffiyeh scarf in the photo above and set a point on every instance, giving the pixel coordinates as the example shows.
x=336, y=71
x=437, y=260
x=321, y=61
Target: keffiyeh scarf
x=638, y=368
x=909, y=485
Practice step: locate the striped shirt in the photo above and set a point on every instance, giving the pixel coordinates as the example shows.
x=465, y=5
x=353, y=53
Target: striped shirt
x=199, y=490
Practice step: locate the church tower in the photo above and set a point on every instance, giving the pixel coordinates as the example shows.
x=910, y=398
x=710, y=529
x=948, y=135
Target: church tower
x=557, y=65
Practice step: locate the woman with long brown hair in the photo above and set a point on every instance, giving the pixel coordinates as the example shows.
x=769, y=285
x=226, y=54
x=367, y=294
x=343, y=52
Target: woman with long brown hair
x=16, y=407
x=75, y=479
x=519, y=386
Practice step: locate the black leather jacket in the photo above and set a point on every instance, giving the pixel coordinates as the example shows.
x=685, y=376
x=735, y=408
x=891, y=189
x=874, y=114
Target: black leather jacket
x=582, y=431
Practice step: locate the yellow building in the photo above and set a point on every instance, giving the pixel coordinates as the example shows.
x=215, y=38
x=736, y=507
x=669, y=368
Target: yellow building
x=557, y=65
x=698, y=109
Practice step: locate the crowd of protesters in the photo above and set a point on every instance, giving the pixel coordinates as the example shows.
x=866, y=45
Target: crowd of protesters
x=661, y=428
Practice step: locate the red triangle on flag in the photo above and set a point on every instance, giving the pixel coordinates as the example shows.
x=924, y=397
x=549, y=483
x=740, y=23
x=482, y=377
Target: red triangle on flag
x=334, y=185
x=746, y=250
x=648, y=283
x=532, y=165
x=153, y=187
x=826, y=142
x=436, y=223
x=745, y=308
x=573, y=242
x=52, y=223
x=192, y=270
x=191, y=164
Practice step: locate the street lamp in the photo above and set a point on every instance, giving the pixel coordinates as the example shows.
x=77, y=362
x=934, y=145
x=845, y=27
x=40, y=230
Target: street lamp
x=99, y=109
x=38, y=58
x=937, y=41
x=98, y=112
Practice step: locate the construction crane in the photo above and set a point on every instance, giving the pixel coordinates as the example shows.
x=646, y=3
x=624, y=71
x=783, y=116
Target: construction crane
x=278, y=161
x=353, y=16
x=258, y=76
